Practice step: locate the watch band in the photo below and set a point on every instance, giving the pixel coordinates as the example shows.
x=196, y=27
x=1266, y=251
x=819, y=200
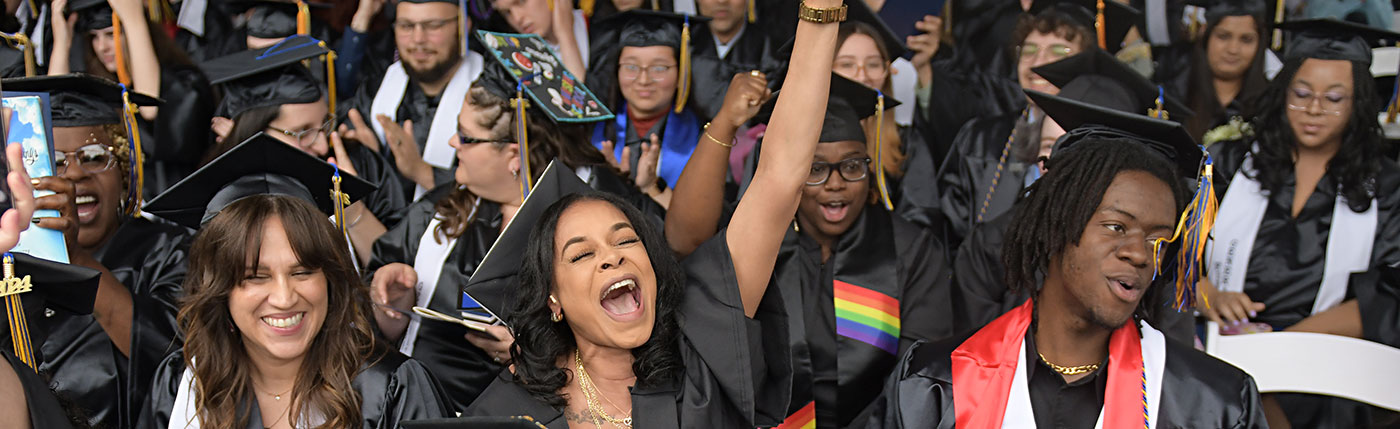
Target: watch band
x=822, y=15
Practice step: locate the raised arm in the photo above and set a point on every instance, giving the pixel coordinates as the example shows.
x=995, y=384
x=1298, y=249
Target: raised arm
x=766, y=210
x=698, y=197
x=62, y=24
x=145, y=67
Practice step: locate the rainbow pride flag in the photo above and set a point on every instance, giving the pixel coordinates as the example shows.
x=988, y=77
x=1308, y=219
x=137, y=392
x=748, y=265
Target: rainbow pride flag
x=867, y=316
x=804, y=418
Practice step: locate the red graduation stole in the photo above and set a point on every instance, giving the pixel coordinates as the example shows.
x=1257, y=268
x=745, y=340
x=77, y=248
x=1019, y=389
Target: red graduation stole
x=984, y=365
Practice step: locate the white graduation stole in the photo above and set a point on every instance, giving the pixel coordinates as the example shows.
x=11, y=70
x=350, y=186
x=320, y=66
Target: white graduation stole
x=438, y=152
x=428, y=263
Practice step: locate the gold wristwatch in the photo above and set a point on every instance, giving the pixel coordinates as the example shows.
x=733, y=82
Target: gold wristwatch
x=821, y=16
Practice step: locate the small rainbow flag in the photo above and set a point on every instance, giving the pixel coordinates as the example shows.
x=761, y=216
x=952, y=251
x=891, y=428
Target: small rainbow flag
x=804, y=418
x=867, y=316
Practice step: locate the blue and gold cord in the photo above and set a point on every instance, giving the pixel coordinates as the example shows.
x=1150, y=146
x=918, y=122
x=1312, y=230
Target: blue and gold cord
x=1001, y=165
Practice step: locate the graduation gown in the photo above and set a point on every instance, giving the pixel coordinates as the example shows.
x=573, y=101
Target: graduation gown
x=752, y=50
x=83, y=365
x=463, y=369
x=1197, y=390
x=392, y=389
x=971, y=167
x=45, y=411
x=181, y=133
x=849, y=318
x=388, y=201
x=736, y=369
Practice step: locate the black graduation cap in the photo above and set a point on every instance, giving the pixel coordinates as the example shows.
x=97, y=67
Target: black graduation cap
x=92, y=14
x=642, y=28
x=79, y=99
x=1116, y=18
x=495, y=281
x=516, y=422
x=858, y=11
x=1216, y=9
x=259, y=165
x=1097, y=77
x=271, y=76
x=1332, y=39
x=57, y=285
x=272, y=19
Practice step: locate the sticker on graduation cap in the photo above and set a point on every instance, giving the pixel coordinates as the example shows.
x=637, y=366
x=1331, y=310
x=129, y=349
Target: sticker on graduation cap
x=551, y=87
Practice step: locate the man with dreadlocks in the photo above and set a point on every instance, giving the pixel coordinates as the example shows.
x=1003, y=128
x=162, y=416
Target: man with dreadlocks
x=1089, y=240
x=104, y=361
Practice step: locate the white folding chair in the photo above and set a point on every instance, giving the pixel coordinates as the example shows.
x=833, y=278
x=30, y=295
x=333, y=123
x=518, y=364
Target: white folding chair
x=1321, y=364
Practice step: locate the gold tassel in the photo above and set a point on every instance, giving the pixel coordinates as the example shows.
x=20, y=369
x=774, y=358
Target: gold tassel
x=587, y=7
x=1278, y=19
x=1100, y=27
x=340, y=200
x=753, y=13
x=21, y=41
x=123, y=75
x=880, y=149
x=330, y=75
x=133, y=137
x=683, y=87
x=303, y=18
x=522, y=133
x=19, y=327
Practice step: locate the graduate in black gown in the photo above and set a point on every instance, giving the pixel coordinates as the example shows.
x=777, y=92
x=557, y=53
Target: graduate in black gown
x=268, y=90
x=1222, y=73
x=731, y=43
x=100, y=360
x=1097, y=239
x=425, y=259
x=278, y=335
x=177, y=133
x=1094, y=77
x=631, y=337
x=55, y=285
x=1308, y=210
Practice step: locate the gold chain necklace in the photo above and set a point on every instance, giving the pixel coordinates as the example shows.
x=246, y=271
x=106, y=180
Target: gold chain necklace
x=1069, y=370
x=591, y=394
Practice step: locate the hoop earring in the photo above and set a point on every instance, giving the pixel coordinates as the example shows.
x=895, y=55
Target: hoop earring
x=556, y=317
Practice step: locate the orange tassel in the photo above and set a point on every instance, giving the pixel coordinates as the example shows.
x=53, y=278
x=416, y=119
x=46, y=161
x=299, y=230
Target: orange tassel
x=123, y=75
x=1100, y=27
x=303, y=18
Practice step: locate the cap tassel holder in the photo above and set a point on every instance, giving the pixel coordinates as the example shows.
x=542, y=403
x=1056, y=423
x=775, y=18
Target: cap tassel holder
x=123, y=75
x=1278, y=19
x=303, y=18
x=753, y=11
x=522, y=134
x=340, y=201
x=330, y=75
x=1194, y=229
x=1159, y=112
x=1100, y=27
x=19, y=328
x=133, y=141
x=21, y=41
x=880, y=149
x=683, y=87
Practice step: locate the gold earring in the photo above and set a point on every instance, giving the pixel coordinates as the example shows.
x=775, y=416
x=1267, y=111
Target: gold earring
x=554, y=300
x=556, y=317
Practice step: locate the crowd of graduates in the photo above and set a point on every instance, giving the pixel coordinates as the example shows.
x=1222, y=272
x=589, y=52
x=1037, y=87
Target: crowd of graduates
x=694, y=213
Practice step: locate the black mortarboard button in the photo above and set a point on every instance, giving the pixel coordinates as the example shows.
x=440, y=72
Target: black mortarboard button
x=259, y=165
x=63, y=287
x=1117, y=18
x=1083, y=120
x=1331, y=39
x=493, y=284
x=271, y=76
x=1098, y=78
x=78, y=99
x=858, y=11
x=516, y=422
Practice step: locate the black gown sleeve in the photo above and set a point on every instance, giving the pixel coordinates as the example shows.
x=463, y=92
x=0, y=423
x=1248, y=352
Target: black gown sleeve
x=926, y=310
x=45, y=410
x=1378, y=290
x=182, y=127
x=156, y=277
x=980, y=292
x=737, y=369
x=396, y=389
x=1201, y=391
x=918, y=191
x=165, y=386
x=388, y=201
x=918, y=393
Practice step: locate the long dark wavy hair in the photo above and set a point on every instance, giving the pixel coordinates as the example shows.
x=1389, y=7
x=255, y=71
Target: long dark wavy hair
x=540, y=343
x=1054, y=211
x=218, y=259
x=1356, y=163
x=1200, y=93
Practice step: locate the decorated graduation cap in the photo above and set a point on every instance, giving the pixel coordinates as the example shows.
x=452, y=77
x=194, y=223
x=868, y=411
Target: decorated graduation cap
x=493, y=284
x=1099, y=78
x=1109, y=19
x=643, y=28
x=1168, y=138
x=272, y=19
x=259, y=165
x=79, y=100
x=849, y=103
x=522, y=68
x=271, y=76
x=514, y=422
x=29, y=287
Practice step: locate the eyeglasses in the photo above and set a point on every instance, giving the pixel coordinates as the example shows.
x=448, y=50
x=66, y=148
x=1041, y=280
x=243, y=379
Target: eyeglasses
x=1302, y=99
x=463, y=140
x=853, y=169
x=1056, y=51
x=629, y=71
x=431, y=25
x=307, y=136
x=851, y=67
x=93, y=159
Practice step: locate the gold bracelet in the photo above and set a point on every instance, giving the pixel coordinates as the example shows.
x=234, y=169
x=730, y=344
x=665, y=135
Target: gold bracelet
x=713, y=139
x=821, y=15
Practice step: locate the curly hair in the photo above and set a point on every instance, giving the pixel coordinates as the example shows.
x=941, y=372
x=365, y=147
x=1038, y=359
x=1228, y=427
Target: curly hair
x=893, y=150
x=1201, y=96
x=218, y=257
x=540, y=343
x=1054, y=211
x=1050, y=21
x=1356, y=163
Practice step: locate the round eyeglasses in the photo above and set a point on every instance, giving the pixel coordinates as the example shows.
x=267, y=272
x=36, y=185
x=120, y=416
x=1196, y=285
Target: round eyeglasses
x=852, y=169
